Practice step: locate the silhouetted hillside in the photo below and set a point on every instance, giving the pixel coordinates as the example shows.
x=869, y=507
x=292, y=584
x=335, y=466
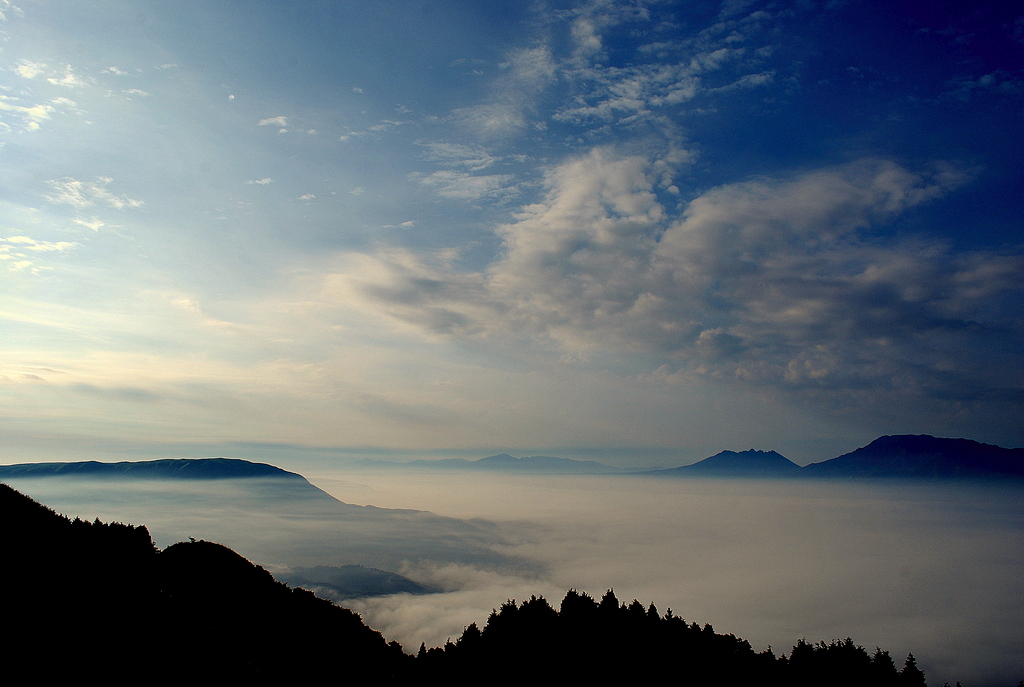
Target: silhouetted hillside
x=924, y=456
x=86, y=602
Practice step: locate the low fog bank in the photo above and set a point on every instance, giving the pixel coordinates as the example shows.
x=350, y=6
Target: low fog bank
x=929, y=568
x=280, y=524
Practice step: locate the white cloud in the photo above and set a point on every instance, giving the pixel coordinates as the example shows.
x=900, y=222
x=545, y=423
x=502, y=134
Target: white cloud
x=31, y=244
x=307, y=196
x=93, y=223
x=260, y=182
x=280, y=121
x=31, y=115
x=68, y=78
x=13, y=256
x=28, y=69
x=81, y=194
x=138, y=92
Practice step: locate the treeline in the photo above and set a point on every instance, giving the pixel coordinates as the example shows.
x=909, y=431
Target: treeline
x=89, y=601
x=589, y=640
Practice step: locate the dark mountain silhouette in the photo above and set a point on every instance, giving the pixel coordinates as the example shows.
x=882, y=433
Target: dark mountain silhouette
x=351, y=582
x=924, y=456
x=182, y=468
x=87, y=601
x=749, y=463
x=502, y=462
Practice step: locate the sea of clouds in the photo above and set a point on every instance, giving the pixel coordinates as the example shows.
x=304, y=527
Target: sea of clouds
x=935, y=569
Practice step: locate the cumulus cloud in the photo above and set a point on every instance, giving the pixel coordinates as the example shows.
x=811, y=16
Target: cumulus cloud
x=260, y=182
x=771, y=282
x=274, y=121
x=81, y=194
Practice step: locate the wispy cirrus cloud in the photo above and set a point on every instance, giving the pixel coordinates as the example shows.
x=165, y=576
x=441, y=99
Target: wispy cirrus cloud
x=507, y=112
x=465, y=186
x=82, y=194
x=13, y=255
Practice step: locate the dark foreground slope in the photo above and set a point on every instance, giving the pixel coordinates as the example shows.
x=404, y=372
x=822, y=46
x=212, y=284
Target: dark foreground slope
x=85, y=599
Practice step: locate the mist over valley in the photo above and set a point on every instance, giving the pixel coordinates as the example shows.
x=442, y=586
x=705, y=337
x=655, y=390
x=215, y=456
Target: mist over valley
x=932, y=567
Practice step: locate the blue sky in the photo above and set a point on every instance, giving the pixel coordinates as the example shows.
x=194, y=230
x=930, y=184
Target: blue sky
x=632, y=231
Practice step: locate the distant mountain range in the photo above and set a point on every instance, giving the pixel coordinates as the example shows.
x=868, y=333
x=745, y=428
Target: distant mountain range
x=900, y=456
x=735, y=464
x=890, y=457
x=502, y=462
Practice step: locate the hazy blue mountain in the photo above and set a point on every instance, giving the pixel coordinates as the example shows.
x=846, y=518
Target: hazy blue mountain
x=923, y=456
x=182, y=468
x=748, y=463
x=502, y=462
x=350, y=581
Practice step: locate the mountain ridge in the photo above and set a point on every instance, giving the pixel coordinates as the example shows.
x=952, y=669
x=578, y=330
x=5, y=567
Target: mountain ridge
x=164, y=468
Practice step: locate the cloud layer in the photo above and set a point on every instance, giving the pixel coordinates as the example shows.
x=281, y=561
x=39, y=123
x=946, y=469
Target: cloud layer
x=782, y=283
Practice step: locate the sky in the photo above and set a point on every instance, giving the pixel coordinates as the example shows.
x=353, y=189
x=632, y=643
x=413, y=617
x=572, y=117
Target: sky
x=638, y=232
